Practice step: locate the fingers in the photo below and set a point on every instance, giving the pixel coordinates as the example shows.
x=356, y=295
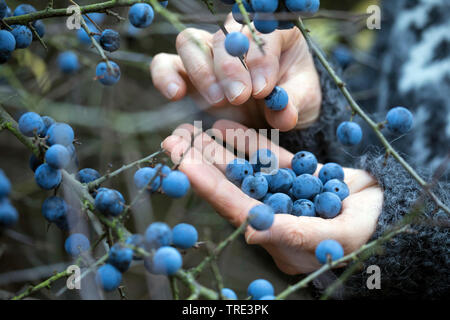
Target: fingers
x=166, y=71
x=210, y=150
x=209, y=182
x=234, y=78
x=234, y=133
x=359, y=217
x=194, y=49
x=305, y=99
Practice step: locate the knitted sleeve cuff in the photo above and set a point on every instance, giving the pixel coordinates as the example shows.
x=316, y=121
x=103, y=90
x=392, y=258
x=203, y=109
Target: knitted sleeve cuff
x=414, y=264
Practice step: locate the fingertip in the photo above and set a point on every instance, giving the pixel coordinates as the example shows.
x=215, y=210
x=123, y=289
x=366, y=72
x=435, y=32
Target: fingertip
x=175, y=90
x=171, y=141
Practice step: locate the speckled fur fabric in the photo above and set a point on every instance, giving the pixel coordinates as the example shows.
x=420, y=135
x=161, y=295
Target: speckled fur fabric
x=413, y=50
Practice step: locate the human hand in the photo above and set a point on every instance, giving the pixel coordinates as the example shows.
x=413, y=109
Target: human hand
x=291, y=240
x=221, y=80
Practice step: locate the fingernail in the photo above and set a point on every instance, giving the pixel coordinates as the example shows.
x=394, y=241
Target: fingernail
x=215, y=93
x=234, y=90
x=172, y=90
x=259, y=82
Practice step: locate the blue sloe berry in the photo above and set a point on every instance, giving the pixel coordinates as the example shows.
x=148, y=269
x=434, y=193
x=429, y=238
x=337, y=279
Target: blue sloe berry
x=108, y=277
x=349, y=133
x=60, y=133
x=399, y=120
x=39, y=26
x=265, y=23
x=5, y=185
x=304, y=207
x=57, y=156
x=8, y=214
x=7, y=45
x=167, y=261
x=143, y=176
x=158, y=234
x=278, y=99
x=141, y=15
x=107, y=76
x=87, y=175
x=280, y=203
x=54, y=210
x=23, y=36
x=261, y=217
x=304, y=162
x=330, y=171
x=47, y=177
x=260, y=288
x=30, y=123
x=237, y=170
x=328, y=205
x=83, y=37
x=281, y=181
x=76, y=244
x=22, y=9
x=330, y=248
x=184, y=236
x=236, y=44
x=68, y=62
x=120, y=257
x=255, y=186
x=176, y=184
x=338, y=187
x=229, y=294
x=109, y=202
x=264, y=5
x=306, y=186
x=110, y=40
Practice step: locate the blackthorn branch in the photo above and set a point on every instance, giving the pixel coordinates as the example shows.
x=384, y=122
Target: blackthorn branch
x=373, y=125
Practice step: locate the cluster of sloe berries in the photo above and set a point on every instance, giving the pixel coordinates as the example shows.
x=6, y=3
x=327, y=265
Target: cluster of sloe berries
x=159, y=240
x=17, y=36
x=263, y=14
x=259, y=289
x=267, y=14
x=56, y=141
x=108, y=73
x=294, y=190
x=8, y=214
x=399, y=120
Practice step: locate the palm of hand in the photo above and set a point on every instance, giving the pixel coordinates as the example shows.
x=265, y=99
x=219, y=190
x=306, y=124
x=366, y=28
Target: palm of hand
x=291, y=240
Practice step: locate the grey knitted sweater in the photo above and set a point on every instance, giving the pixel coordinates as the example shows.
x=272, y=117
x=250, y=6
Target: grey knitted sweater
x=414, y=71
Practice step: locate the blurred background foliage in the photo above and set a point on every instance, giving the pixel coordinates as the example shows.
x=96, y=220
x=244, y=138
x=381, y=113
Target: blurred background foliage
x=116, y=125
